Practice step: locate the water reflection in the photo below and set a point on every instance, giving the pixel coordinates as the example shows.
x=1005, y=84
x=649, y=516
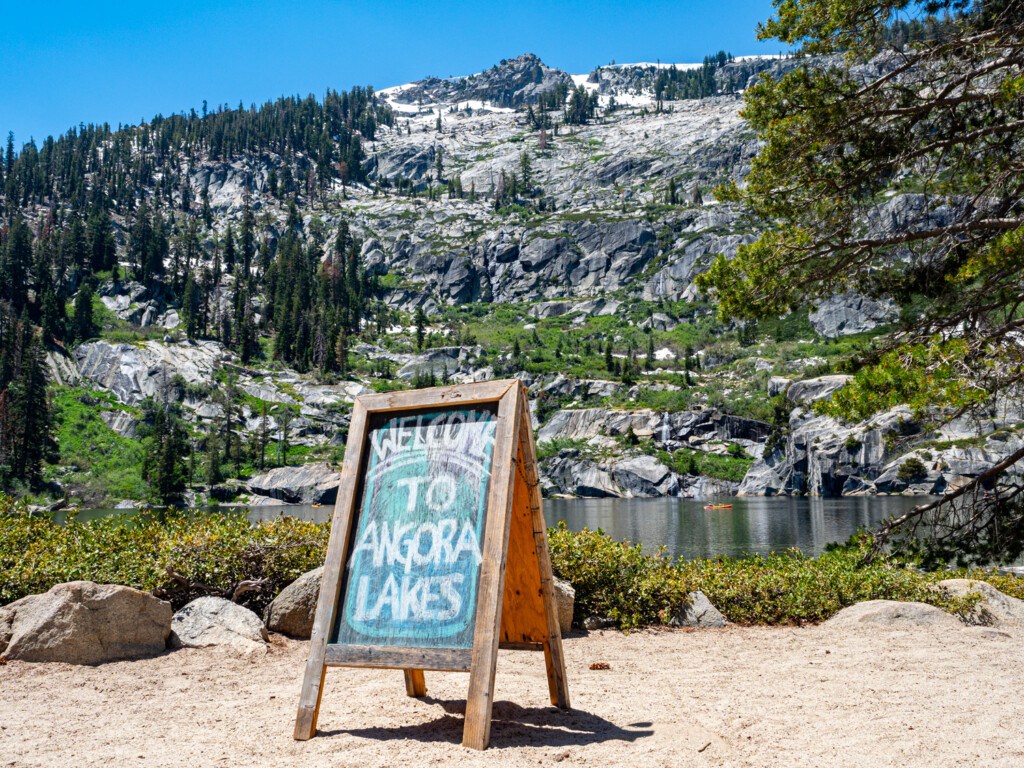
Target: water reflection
x=683, y=526
x=753, y=525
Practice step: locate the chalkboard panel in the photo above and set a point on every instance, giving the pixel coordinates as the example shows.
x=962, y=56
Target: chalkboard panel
x=414, y=559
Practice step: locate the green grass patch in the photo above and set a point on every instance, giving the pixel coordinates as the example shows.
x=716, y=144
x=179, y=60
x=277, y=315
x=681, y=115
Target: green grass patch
x=689, y=461
x=104, y=467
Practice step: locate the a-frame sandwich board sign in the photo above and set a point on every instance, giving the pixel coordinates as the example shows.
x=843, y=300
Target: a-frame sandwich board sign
x=438, y=549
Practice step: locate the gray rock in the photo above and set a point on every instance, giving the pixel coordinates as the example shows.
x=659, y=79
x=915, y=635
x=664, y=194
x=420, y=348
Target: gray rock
x=994, y=609
x=643, y=476
x=851, y=313
x=699, y=613
x=568, y=474
x=585, y=423
x=546, y=309
x=659, y=321
x=134, y=373
x=81, y=622
x=565, y=598
x=777, y=385
x=597, y=622
x=121, y=422
x=812, y=390
x=63, y=368
x=442, y=362
x=306, y=484
x=293, y=610
x=823, y=457
x=892, y=613
x=209, y=621
x=512, y=83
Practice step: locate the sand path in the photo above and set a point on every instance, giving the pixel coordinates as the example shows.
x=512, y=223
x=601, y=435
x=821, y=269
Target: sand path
x=816, y=696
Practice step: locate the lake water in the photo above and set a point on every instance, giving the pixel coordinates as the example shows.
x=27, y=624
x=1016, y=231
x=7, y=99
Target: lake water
x=686, y=529
x=683, y=526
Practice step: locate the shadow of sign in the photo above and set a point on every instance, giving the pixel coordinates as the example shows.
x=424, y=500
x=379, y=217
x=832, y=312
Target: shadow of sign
x=512, y=726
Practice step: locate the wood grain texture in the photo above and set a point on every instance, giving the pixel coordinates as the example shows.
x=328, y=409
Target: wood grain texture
x=523, y=617
x=378, y=657
x=458, y=394
x=554, y=658
x=480, y=699
x=330, y=588
x=415, y=683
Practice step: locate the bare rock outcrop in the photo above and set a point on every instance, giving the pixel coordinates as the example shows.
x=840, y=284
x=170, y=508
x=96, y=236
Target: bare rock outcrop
x=306, y=484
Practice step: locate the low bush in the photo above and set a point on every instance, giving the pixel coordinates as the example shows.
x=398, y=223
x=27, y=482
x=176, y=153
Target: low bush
x=182, y=556
x=620, y=582
x=178, y=557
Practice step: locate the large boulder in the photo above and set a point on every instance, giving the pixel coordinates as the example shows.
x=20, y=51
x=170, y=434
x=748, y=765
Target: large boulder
x=315, y=483
x=644, y=476
x=292, y=612
x=215, y=621
x=565, y=601
x=570, y=475
x=812, y=390
x=994, y=608
x=851, y=313
x=85, y=623
x=699, y=612
x=892, y=613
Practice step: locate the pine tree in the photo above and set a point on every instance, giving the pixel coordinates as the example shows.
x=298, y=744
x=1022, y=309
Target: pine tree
x=213, y=473
x=25, y=415
x=190, y=308
x=248, y=237
x=263, y=435
x=101, y=243
x=166, y=445
x=229, y=250
x=421, y=325
x=82, y=324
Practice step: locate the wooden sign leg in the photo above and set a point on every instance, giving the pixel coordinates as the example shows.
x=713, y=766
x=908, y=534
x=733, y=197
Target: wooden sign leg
x=480, y=699
x=558, y=685
x=330, y=587
x=309, y=704
x=415, y=683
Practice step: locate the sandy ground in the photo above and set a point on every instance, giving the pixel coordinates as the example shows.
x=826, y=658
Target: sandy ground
x=817, y=696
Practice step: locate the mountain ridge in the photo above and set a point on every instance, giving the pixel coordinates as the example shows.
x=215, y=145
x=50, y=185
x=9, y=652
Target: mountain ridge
x=257, y=278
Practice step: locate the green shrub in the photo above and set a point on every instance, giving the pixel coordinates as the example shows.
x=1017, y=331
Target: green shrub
x=621, y=582
x=911, y=469
x=179, y=558
x=182, y=556
x=688, y=461
x=616, y=580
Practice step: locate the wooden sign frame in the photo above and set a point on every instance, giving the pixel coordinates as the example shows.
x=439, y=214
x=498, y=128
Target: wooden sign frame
x=515, y=606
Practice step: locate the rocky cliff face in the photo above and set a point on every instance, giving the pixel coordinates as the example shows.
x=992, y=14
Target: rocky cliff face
x=508, y=84
x=889, y=453
x=599, y=247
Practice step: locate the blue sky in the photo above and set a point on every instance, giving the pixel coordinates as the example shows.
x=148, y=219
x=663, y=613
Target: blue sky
x=62, y=63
